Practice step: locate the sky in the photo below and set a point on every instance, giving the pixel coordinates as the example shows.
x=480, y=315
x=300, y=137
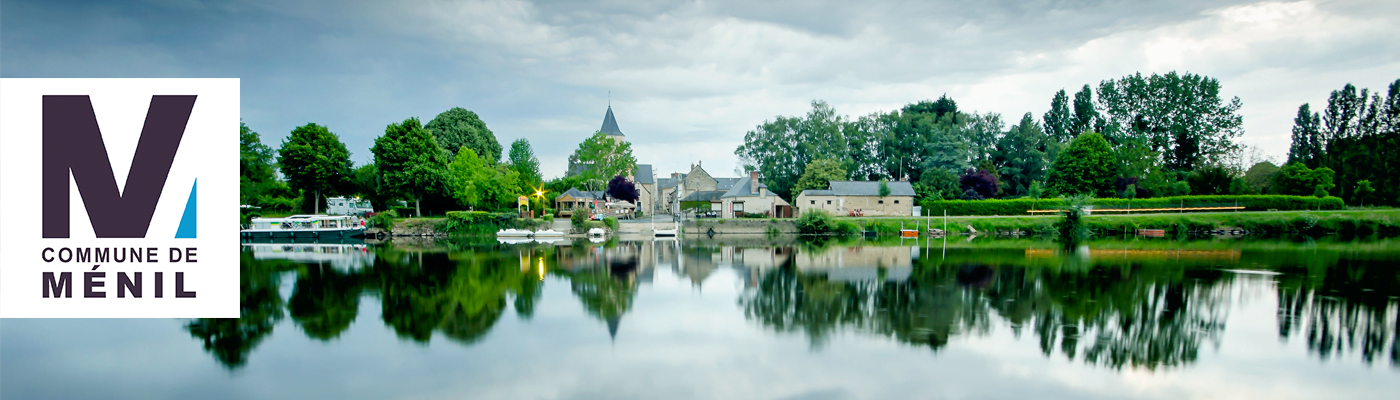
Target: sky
x=687, y=79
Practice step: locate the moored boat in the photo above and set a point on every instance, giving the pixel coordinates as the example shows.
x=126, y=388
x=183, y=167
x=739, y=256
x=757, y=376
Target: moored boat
x=512, y=232
x=548, y=233
x=304, y=226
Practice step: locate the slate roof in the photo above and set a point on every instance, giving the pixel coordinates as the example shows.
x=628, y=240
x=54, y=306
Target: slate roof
x=743, y=190
x=643, y=174
x=709, y=195
x=724, y=184
x=870, y=188
x=610, y=124
x=667, y=183
x=580, y=194
x=814, y=192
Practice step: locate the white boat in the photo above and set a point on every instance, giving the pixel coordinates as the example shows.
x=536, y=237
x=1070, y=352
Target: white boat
x=317, y=226
x=597, y=232
x=548, y=240
x=513, y=240
x=512, y=232
x=549, y=233
x=665, y=232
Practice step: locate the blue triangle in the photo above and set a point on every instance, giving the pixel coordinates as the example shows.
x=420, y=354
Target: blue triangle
x=187, y=222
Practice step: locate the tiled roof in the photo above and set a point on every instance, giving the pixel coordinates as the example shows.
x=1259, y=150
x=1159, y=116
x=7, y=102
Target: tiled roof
x=743, y=190
x=726, y=183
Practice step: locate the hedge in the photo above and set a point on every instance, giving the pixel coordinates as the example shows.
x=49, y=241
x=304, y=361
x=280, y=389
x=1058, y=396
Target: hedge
x=1022, y=206
x=481, y=222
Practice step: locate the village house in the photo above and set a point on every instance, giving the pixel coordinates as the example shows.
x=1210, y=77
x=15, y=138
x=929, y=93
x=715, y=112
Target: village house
x=641, y=176
x=575, y=200
x=752, y=197
x=700, y=192
x=863, y=197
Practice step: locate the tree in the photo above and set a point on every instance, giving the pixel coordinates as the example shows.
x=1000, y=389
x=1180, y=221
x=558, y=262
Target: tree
x=622, y=189
x=1307, y=138
x=524, y=162
x=818, y=175
x=1211, y=180
x=1086, y=167
x=1085, y=117
x=884, y=188
x=782, y=148
x=1058, y=123
x=465, y=173
x=938, y=184
x=1020, y=156
x=1299, y=180
x=1035, y=191
x=315, y=162
x=981, y=181
x=255, y=168
x=1260, y=175
x=1363, y=189
x=411, y=163
x=600, y=157
x=1181, y=115
x=457, y=128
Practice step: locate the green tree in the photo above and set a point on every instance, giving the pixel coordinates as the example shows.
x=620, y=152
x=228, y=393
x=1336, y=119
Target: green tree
x=1085, y=117
x=1299, y=180
x=1020, y=156
x=480, y=185
x=600, y=158
x=938, y=184
x=1181, y=115
x=781, y=149
x=819, y=174
x=410, y=162
x=1260, y=175
x=457, y=128
x=1363, y=189
x=884, y=188
x=1086, y=167
x=524, y=162
x=1211, y=180
x=1307, y=138
x=315, y=162
x=1058, y=123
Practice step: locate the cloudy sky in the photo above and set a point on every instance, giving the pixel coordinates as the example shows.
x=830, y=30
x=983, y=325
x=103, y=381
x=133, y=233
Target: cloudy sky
x=689, y=78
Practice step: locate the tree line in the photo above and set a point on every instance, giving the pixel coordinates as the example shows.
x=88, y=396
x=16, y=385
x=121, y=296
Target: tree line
x=1136, y=136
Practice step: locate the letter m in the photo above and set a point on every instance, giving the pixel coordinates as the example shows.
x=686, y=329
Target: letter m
x=73, y=143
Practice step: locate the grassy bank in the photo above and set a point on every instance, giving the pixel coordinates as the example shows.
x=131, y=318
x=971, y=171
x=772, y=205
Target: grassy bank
x=1360, y=223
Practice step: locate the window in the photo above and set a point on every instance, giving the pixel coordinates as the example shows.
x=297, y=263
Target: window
x=828, y=202
x=814, y=202
x=738, y=208
x=896, y=202
x=882, y=202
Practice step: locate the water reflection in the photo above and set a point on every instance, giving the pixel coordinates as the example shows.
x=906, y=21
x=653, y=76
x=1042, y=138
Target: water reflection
x=1114, y=304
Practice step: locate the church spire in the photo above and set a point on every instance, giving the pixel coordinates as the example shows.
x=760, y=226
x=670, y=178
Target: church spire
x=610, y=124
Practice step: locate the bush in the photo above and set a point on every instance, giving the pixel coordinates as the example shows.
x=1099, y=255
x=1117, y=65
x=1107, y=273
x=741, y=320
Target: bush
x=384, y=220
x=579, y=219
x=819, y=222
x=481, y=222
x=1015, y=207
x=611, y=222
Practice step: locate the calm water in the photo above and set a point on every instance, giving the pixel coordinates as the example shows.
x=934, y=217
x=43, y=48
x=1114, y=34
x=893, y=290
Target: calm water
x=741, y=318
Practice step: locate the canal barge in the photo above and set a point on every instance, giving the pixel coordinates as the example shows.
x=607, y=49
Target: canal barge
x=305, y=226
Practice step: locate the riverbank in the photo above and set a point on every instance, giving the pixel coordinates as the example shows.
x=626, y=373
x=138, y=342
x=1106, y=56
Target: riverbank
x=1347, y=222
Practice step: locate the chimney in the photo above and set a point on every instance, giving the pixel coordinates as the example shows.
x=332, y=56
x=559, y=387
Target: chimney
x=753, y=181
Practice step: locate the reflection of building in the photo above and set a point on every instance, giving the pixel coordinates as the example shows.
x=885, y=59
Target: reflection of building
x=858, y=263
x=750, y=263
x=344, y=257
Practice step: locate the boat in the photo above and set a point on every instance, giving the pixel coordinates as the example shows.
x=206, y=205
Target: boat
x=549, y=239
x=512, y=232
x=662, y=232
x=908, y=233
x=597, y=232
x=549, y=233
x=307, y=226
x=513, y=240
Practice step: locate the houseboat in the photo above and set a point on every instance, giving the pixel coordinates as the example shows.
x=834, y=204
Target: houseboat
x=312, y=226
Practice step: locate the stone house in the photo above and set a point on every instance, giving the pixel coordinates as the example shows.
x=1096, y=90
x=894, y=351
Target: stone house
x=842, y=197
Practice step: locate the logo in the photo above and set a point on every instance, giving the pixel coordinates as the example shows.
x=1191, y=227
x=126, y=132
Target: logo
x=114, y=223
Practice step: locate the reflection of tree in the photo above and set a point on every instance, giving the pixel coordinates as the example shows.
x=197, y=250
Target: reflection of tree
x=461, y=296
x=260, y=307
x=1345, y=307
x=325, y=301
x=606, y=294
x=787, y=301
x=1128, y=316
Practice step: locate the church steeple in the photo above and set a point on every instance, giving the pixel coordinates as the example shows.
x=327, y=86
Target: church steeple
x=610, y=124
